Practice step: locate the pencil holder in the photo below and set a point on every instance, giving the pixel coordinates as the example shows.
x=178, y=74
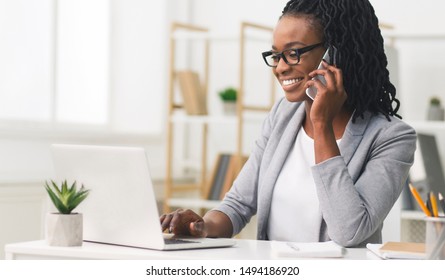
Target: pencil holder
x=435, y=238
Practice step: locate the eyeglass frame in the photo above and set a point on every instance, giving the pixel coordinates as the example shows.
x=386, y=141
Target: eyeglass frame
x=298, y=51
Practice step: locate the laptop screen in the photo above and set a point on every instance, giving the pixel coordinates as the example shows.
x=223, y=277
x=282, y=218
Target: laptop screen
x=121, y=207
x=427, y=172
x=432, y=163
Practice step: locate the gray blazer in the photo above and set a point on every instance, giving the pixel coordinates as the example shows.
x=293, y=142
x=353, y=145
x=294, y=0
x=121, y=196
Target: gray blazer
x=356, y=190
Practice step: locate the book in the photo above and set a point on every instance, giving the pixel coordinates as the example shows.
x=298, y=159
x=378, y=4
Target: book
x=225, y=170
x=218, y=176
x=398, y=250
x=229, y=177
x=193, y=95
x=232, y=171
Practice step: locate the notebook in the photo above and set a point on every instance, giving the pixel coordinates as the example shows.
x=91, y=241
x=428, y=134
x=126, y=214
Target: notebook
x=121, y=208
x=398, y=250
x=327, y=249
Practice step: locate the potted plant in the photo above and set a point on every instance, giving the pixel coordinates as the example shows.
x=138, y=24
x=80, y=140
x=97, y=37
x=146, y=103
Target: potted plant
x=435, y=110
x=65, y=228
x=229, y=96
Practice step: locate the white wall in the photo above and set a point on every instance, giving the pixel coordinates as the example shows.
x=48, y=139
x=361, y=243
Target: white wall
x=139, y=65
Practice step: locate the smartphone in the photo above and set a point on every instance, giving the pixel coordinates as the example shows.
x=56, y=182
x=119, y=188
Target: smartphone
x=312, y=91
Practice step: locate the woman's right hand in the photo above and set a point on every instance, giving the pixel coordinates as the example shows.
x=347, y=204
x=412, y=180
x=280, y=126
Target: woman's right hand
x=184, y=222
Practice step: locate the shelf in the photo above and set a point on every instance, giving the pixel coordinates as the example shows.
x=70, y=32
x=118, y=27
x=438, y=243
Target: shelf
x=189, y=32
x=192, y=203
x=399, y=35
x=211, y=123
x=427, y=125
x=177, y=118
x=191, y=164
x=216, y=37
x=412, y=215
x=213, y=119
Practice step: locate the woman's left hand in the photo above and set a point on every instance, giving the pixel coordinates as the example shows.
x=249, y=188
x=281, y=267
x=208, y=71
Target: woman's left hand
x=330, y=97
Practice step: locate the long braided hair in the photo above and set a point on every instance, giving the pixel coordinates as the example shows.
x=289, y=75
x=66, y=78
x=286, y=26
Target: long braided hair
x=352, y=27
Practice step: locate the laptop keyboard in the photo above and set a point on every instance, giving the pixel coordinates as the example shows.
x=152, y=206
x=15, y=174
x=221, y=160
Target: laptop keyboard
x=178, y=241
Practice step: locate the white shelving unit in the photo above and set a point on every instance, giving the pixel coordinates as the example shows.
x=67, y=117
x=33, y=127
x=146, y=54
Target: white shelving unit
x=428, y=126
x=413, y=225
x=412, y=221
x=177, y=116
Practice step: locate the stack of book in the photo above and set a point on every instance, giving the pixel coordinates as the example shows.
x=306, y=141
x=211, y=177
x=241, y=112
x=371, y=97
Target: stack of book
x=225, y=170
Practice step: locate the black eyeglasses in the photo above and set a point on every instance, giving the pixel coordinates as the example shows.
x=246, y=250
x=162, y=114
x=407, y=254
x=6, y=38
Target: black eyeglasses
x=290, y=56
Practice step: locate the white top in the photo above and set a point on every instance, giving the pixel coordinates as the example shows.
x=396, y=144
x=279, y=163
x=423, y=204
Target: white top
x=295, y=214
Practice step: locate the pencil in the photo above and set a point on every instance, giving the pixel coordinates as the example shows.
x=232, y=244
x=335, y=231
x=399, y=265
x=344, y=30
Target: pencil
x=434, y=204
x=428, y=204
x=419, y=200
x=442, y=203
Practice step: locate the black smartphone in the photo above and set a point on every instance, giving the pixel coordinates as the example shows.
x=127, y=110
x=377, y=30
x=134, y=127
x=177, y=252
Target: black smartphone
x=312, y=91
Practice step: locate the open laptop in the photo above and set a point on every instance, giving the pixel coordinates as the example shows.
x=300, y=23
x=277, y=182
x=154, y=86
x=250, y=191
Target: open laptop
x=428, y=174
x=121, y=208
x=432, y=163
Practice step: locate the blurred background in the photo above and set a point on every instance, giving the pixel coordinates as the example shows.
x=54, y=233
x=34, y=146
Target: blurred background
x=98, y=72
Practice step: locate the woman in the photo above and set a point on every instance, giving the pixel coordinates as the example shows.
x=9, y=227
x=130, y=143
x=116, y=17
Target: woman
x=324, y=169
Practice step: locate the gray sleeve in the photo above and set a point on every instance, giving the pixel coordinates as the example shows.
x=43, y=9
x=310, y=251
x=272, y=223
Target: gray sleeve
x=354, y=207
x=240, y=203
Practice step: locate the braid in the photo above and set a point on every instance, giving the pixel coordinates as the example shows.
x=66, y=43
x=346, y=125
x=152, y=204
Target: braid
x=352, y=27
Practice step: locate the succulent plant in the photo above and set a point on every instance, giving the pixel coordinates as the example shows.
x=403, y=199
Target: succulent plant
x=228, y=94
x=65, y=198
x=435, y=101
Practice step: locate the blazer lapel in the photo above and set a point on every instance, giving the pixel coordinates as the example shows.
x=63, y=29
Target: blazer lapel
x=348, y=145
x=266, y=188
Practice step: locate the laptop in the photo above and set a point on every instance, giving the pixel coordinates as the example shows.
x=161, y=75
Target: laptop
x=431, y=160
x=121, y=208
x=428, y=174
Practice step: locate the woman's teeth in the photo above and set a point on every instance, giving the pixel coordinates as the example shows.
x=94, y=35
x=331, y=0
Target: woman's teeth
x=290, y=82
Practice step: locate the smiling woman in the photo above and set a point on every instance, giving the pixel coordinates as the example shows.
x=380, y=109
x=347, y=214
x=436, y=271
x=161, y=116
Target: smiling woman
x=311, y=176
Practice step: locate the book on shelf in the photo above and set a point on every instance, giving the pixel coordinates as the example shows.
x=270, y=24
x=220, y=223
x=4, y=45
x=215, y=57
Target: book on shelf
x=218, y=176
x=224, y=173
x=193, y=95
x=232, y=172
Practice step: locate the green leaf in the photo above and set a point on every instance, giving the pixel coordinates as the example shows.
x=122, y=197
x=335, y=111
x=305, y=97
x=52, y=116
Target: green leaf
x=228, y=94
x=65, y=198
x=56, y=188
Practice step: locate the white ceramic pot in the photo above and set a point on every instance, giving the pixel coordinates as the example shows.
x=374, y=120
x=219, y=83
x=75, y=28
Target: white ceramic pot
x=64, y=229
x=229, y=108
x=435, y=113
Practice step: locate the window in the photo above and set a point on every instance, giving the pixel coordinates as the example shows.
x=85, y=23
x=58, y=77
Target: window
x=83, y=62
x=25, y=60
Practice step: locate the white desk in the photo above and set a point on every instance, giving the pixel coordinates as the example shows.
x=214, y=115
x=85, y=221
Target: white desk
x=243, y=250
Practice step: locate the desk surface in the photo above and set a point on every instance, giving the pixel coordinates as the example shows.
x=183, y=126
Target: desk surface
x=243, y=250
